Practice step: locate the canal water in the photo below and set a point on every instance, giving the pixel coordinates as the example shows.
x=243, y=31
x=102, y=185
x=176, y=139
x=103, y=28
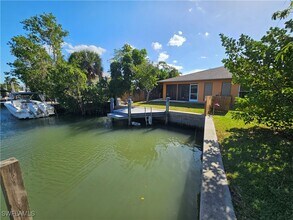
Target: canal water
x=82, y=168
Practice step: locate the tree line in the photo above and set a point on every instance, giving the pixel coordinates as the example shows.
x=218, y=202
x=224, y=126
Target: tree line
x=78, y=81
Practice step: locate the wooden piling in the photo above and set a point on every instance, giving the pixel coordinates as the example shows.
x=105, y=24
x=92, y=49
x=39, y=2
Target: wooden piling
x=13, y=190
x=208, y=105
x=167, y=109
x=111, y=105
x=129, y=111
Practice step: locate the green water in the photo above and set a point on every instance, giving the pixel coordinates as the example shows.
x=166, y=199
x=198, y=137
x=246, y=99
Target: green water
x=84, y=169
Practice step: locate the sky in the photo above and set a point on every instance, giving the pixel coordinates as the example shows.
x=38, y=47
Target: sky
x=184, y=34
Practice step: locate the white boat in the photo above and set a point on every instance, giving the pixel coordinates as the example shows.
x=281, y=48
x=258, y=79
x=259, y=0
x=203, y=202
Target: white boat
x=22, y=106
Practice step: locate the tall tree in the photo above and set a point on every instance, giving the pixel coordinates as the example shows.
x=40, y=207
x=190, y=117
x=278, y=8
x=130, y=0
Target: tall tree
x=44, y=30
x=116, y=84
x=89, y=62
x=40, y=65
x=166, y=71
x=146, y=77
x=121, y=68
x=265, y=68
x=32, y=65
x=37, y=52
x=68, y=83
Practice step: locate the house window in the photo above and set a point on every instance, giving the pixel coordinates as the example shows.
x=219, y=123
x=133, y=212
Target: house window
x=226, y=89
x=208, y=89
x=243, y=91
x=171, y=91
x=193, y=92
x=183, y=92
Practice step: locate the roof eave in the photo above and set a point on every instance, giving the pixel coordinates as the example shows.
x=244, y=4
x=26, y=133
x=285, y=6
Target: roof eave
x=192, y=80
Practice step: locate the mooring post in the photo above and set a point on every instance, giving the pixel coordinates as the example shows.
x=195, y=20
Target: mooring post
x=167, y=109
x=111, y=105
x=13, y=190
x=205, y=106
x=129, y=111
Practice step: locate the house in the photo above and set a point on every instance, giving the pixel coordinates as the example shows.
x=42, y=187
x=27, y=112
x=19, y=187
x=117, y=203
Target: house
x=195, y=86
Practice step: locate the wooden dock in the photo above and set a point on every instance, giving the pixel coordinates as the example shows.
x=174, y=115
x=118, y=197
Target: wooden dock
x=129, y=113
x=136, y=112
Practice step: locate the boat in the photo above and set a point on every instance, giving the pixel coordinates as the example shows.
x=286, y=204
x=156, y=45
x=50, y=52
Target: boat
x=23, y=106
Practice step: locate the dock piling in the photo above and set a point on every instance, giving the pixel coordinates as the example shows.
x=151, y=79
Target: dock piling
x=167, y=109
x=129, y=111
x=13, y=190
x=145, y=117
x=111, y=105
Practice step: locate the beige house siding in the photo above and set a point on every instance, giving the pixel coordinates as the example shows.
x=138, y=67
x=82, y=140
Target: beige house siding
x=216, y=88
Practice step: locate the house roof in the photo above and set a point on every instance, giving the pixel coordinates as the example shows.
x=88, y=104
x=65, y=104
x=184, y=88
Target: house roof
x=210, y=74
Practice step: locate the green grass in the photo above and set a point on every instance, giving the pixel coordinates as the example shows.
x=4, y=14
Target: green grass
x=258, y=163
x=174, y=106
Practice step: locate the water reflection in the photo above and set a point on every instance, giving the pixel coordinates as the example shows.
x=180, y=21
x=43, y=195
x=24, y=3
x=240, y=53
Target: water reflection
x=79, y=168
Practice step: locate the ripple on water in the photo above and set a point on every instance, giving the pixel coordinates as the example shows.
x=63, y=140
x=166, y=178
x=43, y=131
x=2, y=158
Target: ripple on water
x=72, y=167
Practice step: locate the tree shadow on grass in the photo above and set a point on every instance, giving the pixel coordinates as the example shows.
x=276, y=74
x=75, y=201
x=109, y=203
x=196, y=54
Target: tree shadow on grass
x=259, y=167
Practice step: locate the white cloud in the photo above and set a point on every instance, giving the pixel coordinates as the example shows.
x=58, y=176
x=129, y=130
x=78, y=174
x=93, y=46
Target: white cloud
x=206, y=34
x=190, y=10
x=156, y=46
x=175, y=66
x=163, y=56
x=180, y=32
x=193, y=71
x=174, y=61
x=71, y=49
x=203, y=57
x=176, y=40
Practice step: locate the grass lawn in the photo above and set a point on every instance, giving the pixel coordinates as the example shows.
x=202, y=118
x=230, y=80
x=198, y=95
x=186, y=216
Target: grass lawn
x=258, y=163
x=175, y=106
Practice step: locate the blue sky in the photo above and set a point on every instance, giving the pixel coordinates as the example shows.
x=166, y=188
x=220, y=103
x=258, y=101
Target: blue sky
x=182, y=33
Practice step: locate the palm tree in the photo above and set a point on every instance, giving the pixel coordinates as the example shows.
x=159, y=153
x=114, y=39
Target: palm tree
x=89, y=62
x=11, y=80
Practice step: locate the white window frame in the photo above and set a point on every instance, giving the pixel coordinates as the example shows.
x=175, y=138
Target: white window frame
x=193, y=100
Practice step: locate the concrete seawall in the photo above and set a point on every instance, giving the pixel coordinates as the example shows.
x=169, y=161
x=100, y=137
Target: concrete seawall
x=215, y=200
x=187, y=119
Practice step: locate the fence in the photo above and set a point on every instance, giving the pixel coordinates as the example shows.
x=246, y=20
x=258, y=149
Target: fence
x=137, y=96
x=217, y=104
x=140, y=95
